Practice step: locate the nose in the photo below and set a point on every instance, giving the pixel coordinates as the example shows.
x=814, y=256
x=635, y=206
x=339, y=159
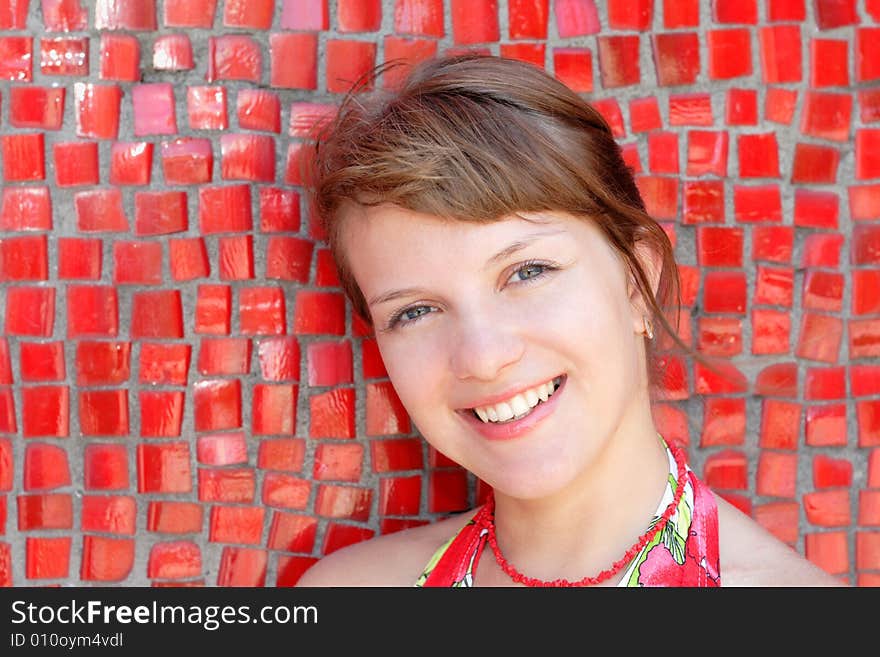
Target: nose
x=483, y=348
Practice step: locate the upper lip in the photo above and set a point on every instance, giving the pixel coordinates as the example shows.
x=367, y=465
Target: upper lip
x=506, y=396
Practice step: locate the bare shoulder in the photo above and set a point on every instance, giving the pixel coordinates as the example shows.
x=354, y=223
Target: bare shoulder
x=752, y=556
x=391, y=560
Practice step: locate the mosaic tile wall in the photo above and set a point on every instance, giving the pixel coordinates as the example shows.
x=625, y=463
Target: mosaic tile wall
x=185, y=397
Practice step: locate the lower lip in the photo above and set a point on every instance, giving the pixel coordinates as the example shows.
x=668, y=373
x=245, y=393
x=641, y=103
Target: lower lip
x=516, y=428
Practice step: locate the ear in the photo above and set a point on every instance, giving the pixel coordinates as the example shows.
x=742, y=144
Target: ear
x=652, y=265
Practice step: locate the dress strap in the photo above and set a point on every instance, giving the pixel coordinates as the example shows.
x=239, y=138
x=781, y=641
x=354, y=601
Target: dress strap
x=454, y=562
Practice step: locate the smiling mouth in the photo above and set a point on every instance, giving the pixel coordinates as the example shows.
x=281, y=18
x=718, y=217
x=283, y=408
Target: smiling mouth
x=518, y=406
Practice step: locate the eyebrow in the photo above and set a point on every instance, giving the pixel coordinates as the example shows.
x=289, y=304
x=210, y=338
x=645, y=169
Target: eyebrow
x=503, y=254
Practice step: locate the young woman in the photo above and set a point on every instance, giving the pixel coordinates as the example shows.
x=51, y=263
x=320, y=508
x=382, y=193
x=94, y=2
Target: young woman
x=484, y=223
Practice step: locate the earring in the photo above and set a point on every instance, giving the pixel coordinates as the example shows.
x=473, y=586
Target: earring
x=649, y=328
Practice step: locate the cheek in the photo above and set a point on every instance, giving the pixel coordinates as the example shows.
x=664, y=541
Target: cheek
x=415, y=370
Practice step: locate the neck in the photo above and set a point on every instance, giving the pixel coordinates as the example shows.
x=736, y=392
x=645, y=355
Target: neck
x=588, y=525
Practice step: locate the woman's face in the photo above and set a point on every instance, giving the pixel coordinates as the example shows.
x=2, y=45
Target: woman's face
x=479, y=322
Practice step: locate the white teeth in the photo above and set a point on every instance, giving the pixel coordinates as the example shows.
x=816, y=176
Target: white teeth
x=519, y=405
x=505, y=412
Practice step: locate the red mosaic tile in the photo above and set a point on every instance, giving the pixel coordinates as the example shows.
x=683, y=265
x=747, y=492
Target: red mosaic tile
x=385, y=413
x=869, y=105
x=174, y=517
x=164, y=364
x=830, y=472
x=758, y=155
x=771, y=331
x=76, y=163
x=225, y=209
x=217, y=404
x=109, y=514
x=287, y=454
x=644, y=114
x=302, y=49
x=247, y=157
x=868, y=550
x=289, y=258
x=13, y=15
x=630, y=155
x=331, y=414
x=873, y=9
x=823, y=291
x=222, y=449
x=173, y=52
x=164, y=468
x=343, y=502
x=6, y=464
x=780, y=421
x=256, y=14
x=780, y=519
x=474, y=21
x=308, y=117
x=724, y=292
x=338, y=536
x=258, y=109
x=814, y=209
x=822, y=250
x=274, y=409
x=36, y=107
x=291, y=569
x=780, y=53
x=576, y=18
x=30, y=311
x=262, y=311
x=26, y=208
x=866, y=419
x=867, y=54
x=338, y=462
x=161, y=413
x=7, y=411
x=279, y=358
x=741, y=107
x=120, y=56
x=360, y=15
x=730, y=53
x=189, y=13
x=105, y=467
x=724, y=421
x=816, y=164
x=531, y=53
x=114, y=15
x=774, y=286
x=726, y=469
x=174, y=560
x=399, y=496
x=396, y=454
x=826, y=426
x=279, y=209
x=627, y=15
x=187, y=161
x=835, y=13
x=102, y=363
x=827, y=116
x=663, y=152
x=16, y=55
x=226, y=485
x=574, y=67
x=329, y=363
x=154, y=112
x=160, y=213
x=79, y=258
x=867, y=159
x=707, y=153
x=619, y=61
x=285, y=491
x=318, y=313
x=130, y=163
x=23, y=157
x=64, y=56
x=41, y=361
x=786, y=10
x=292, y=532
x=829, y=550
x=347, y=62
x=869, y=508
x=305, y=15
x=447, y=491
x=48, y=511
x=103, y=412
x=213, y=309
x=863, y=338
x=820, y=337
x=100, y=210
x=527, y=19
x=24, y=258
x=47, y=558
x=206, y=108
x=236, y=257
x=156, y=315
x=45, y=467
x=610, y=111
x=719, y=336
x=825, y=383
x=779, y=106
x=219, y=356
x=106, y=559
x=234, y=57
x=829, y=63
x=660, y=195
x=777, y=474
x=137, y=263
x=865, y=291
x=735, y=11
x=6, y=377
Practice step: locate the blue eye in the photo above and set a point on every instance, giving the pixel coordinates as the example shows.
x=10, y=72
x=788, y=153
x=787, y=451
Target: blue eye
x=530, y=271
x=407, y=316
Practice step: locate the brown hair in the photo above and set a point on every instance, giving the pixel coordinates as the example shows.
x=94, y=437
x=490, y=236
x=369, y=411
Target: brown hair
x=477, y=138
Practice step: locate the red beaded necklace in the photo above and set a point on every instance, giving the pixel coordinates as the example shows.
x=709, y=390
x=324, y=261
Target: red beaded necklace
x=628, y=556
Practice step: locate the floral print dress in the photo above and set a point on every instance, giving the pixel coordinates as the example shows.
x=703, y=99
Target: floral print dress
x=683, y=553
